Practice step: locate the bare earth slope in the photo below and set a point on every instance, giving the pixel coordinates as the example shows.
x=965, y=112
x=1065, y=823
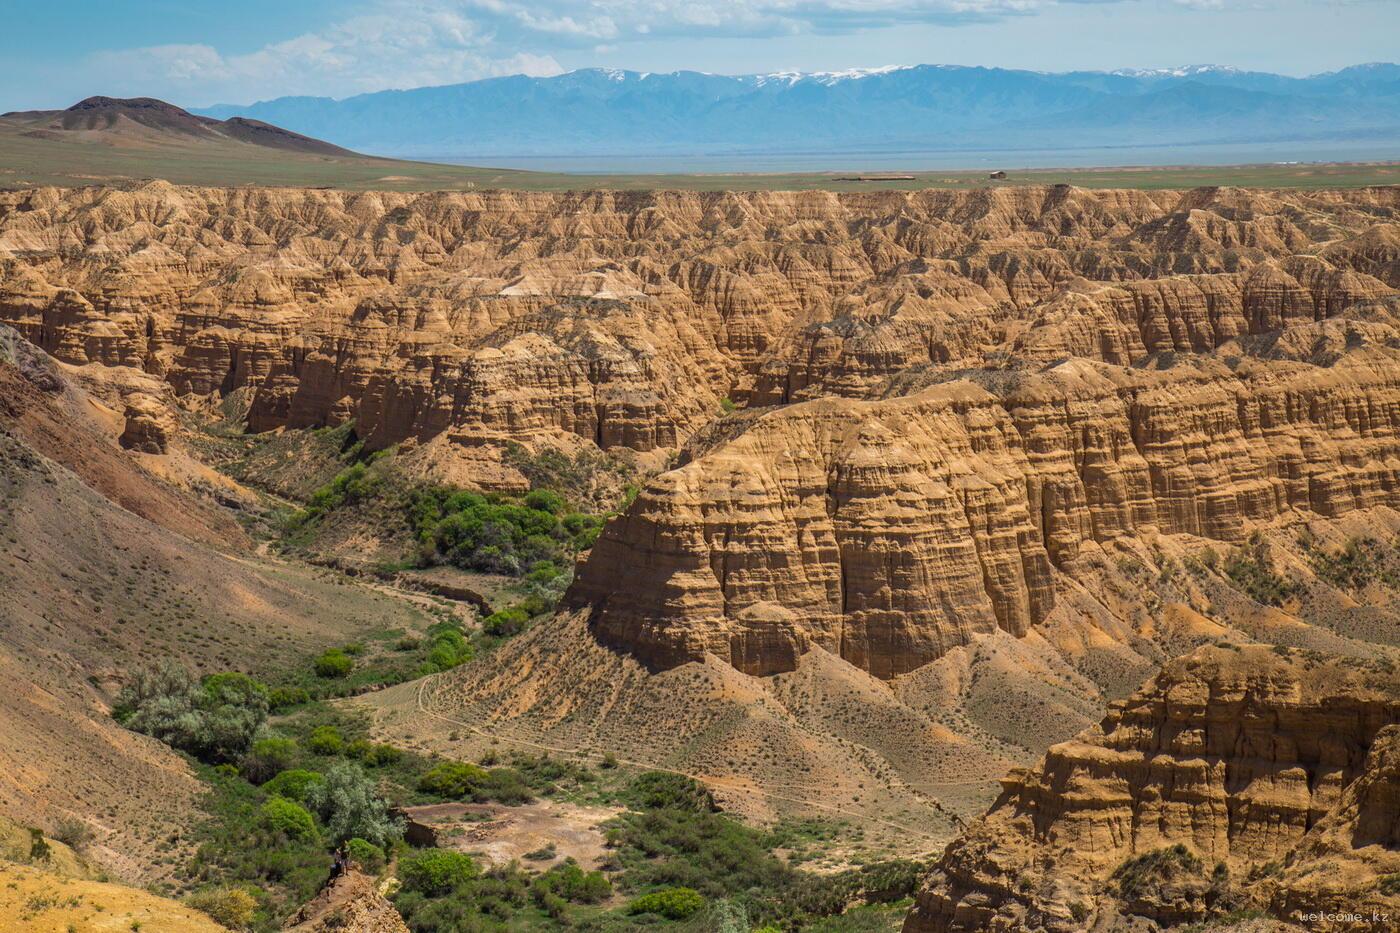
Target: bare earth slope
x=36, y=901
x=104, y=566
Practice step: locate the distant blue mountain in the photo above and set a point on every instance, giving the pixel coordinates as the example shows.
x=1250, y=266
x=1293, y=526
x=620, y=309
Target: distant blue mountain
x=922, y=108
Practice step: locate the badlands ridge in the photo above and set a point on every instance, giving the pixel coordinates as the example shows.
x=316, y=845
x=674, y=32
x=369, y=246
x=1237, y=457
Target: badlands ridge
x=929, y=478
x=953, y=395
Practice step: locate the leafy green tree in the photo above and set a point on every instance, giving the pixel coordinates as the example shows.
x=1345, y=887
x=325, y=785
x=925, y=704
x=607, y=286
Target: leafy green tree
x=349, y=807
x=267, y=757
x=214, y=721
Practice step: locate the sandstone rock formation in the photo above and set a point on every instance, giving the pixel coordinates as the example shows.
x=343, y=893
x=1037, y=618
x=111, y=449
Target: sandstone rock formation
x=1248, y=758
x=887, y=531
x=350, y=902
x=623, y=318
x=148, y=425
x=973, y=389
x=954, y=396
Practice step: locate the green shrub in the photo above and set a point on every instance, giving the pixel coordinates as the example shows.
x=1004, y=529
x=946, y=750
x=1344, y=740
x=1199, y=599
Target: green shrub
x=232, y=907
x=448, y=647
x=504, y=785
x=1141, y=873
x=376, y=755
x=435, y=871
x=39, y=848
x=545, y=500
x=72, y=832
x=452, y=779
x=280, y=699
x=583, y=529
x=1252, y=572
x=293, y=784
x=571, y=883
x=351, y=485
x=1355, y=568
x=333, y=663
x=656, y=790
x=671, y=903
x=366, y=854
x=505, y=623
x=545, y=572
x=325, y=740
x=288, y=818
x=267, y=757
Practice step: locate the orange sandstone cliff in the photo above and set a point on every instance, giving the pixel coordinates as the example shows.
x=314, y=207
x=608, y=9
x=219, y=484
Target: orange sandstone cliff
x=1237, y=778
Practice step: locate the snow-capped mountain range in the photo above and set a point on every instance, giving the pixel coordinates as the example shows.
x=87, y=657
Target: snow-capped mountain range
x=894, y=108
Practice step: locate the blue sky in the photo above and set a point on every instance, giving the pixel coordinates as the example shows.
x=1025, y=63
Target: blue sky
x=199, y=52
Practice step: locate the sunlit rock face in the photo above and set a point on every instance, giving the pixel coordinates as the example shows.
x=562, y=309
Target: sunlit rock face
x=950, y=395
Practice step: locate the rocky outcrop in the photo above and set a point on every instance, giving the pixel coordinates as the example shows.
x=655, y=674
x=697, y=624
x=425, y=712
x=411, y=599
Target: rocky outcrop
x=149, y=425
x=349, y=902
x=954, y=396
x=1349, y=861
x=1187, y=799
x=889, y=531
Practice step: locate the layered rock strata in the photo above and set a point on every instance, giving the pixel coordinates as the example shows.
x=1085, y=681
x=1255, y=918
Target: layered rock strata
x=1247, y=758
x=954, y=395
x=889, y=531
x=624, y=318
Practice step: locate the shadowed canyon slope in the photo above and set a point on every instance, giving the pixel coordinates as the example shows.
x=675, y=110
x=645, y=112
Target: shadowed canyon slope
x=111, y=560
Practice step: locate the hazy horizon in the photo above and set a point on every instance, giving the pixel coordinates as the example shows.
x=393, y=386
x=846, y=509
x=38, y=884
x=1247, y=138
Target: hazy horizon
x=197, y=54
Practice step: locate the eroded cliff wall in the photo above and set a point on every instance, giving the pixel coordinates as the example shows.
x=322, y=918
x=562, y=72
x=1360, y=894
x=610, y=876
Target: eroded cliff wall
x=1274, y=770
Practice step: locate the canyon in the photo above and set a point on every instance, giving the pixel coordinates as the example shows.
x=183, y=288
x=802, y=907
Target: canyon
x=948, y=397
x=923, y=481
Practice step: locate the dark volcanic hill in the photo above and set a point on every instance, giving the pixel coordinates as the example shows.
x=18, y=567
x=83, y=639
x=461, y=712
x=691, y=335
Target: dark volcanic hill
x=145, y=120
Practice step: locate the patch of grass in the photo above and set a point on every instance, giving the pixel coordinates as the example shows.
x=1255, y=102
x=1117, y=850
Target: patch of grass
x=1359, y=564
x=1251, y=571
x=1137, y=875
